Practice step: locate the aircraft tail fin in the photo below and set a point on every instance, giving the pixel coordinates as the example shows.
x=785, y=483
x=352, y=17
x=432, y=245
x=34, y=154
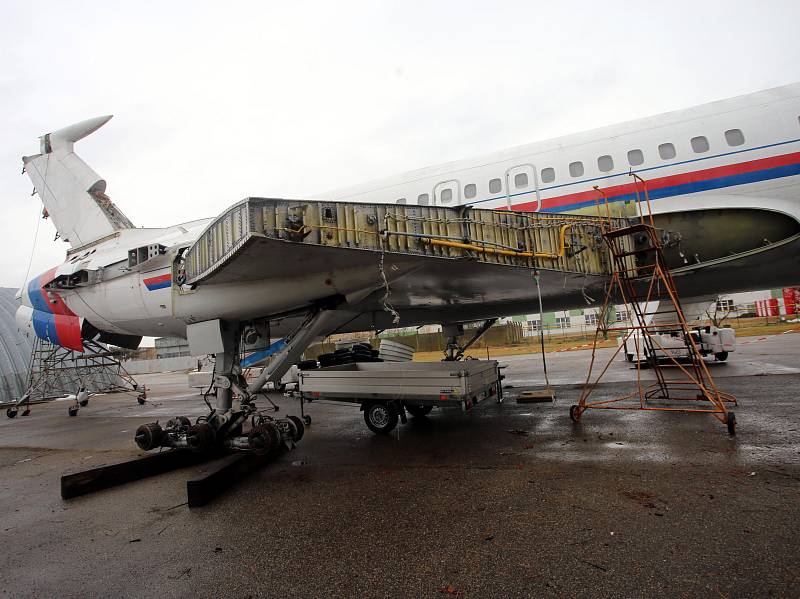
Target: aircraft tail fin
x=72, y=193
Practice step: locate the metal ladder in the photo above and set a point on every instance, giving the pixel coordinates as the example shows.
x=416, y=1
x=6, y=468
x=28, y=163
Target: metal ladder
x=640, y=278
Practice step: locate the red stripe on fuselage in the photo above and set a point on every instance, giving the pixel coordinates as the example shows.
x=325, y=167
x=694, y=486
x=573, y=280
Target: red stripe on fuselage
x=54, y=302
x=68, y=329
x=158, y=279
x=669, y=181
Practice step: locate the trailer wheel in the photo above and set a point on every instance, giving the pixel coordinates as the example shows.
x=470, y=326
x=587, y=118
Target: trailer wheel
x=721, y=356
x=380, y=418
x=418, y=411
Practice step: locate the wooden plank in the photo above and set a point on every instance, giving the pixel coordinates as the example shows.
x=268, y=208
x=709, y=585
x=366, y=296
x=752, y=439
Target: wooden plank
x=105, y=477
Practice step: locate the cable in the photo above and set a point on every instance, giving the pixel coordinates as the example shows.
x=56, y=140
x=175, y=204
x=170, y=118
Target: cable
x=33, y=249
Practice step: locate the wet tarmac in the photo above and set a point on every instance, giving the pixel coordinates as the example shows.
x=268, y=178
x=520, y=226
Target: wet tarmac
x=512, y=500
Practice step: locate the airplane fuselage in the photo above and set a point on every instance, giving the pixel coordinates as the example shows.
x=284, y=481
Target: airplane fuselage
x=723, y=181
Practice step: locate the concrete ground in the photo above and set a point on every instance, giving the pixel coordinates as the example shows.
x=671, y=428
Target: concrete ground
x=512, y=500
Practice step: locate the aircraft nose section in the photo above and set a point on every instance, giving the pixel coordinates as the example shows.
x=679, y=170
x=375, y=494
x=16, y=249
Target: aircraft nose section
x=24, y=318
x=22, y=296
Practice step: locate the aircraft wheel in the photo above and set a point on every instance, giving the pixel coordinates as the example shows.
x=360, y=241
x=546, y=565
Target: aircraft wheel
x=721, y=356
x=11, y=412
x=200, y=437
x=84, y=403
x=307, y=420
x=731, y=422
x=149, y=436
x=260, y=440
x=72, y=410
x=380, y=418
x=27, y=412
x=299, y=426
x=575, y=413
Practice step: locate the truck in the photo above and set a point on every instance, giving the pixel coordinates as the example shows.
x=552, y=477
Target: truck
x=710, y=340
x=386, y=391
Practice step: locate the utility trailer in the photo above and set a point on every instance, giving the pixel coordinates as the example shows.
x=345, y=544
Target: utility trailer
x=387, y=390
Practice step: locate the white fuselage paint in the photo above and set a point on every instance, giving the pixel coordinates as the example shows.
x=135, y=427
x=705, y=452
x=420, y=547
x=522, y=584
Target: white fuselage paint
x=761, y=172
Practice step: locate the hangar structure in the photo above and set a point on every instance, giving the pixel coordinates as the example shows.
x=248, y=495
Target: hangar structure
x=15, y=349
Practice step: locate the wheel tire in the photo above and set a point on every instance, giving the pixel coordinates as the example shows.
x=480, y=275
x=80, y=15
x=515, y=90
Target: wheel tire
x=11, y=412
x=307, y=420
x=264, y=439
x=200, y=437
x=575, y=413
x=27, y=412
x=380, y=418
x=418, y=411
x=301, y=429
x=72, y=410
x=84, y=403
x=307, y=365
x=629, y=357
x=721, y=356
x=731, y=422
x=149, y=436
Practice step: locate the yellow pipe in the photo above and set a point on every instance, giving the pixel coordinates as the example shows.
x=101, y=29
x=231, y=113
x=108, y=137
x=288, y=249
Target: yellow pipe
x=487, y=250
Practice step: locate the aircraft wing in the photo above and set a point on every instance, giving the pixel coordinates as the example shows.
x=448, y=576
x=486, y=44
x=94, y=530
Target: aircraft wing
x=427, y=258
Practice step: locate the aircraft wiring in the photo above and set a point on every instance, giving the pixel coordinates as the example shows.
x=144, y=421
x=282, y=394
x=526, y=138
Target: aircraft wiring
x=385, y=300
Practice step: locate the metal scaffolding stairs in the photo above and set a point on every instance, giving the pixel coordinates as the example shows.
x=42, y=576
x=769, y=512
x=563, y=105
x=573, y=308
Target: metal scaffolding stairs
x=641, y=278
x=56, y=371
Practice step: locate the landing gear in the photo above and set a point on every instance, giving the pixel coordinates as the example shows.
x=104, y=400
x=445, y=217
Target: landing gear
x=226, y=426
x=11, y=412
x=575, y=413
x=72, y=411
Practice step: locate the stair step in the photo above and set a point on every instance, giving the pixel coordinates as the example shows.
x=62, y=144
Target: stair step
x=630, y=230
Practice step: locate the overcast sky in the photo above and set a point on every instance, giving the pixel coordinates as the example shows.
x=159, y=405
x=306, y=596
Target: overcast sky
x=216, y=101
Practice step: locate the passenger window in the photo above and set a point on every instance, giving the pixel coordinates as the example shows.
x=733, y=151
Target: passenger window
x=605, y=163
x=422, y=199
x=699, y=144
x=635, y=157
x=520, y=180
x=666, y=151
x=470, y=191
x=548, y=175
x=401, y=201
x=495, y=186
x=446, y=196
x=734, y=137
x=576, y=169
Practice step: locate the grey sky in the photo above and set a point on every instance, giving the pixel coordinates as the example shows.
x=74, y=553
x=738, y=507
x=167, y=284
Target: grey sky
x=220, y=100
